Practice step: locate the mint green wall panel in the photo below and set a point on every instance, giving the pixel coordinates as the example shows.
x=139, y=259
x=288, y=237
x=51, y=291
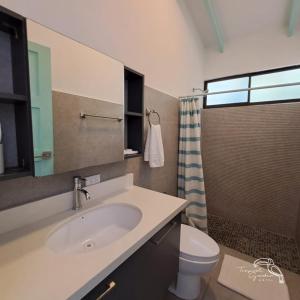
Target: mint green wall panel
x=41, y=106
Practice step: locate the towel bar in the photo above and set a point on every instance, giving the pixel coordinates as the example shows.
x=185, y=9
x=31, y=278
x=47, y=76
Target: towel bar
x=84, y=115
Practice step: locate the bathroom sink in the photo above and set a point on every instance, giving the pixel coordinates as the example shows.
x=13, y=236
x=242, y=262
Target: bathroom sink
x=94, y=229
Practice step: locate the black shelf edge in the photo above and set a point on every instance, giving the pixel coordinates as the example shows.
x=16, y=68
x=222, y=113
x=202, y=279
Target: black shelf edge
x=133, y=71
x=15, y=173
x=131, y=113
x=126, y=156
x=7, y=97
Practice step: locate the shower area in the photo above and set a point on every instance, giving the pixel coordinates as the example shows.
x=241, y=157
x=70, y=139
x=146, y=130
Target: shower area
x=251, y=158
x=251, y=163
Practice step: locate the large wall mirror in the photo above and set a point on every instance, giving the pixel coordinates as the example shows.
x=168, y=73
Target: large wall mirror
x=68, y=79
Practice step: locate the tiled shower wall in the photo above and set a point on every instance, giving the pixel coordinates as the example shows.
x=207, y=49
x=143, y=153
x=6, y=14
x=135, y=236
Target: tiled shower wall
x=251, y=158
x=19, y=191
x=298, y=231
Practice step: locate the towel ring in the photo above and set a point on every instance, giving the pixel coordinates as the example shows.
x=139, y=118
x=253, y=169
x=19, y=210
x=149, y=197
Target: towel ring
x=148, y=114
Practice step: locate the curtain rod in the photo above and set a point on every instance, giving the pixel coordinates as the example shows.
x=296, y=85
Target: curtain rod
x=242, y=90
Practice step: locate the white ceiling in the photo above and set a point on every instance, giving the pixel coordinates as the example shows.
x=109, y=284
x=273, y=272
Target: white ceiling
x=239, y=18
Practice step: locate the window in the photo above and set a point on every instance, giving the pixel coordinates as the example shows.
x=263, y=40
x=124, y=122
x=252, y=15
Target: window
x=271, y=77
x=229, y=98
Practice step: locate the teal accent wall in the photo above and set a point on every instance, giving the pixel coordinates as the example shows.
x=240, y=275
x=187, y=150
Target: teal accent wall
x=41, y=106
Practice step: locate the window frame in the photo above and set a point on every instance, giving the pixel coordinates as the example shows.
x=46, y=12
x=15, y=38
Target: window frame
x=249, y=75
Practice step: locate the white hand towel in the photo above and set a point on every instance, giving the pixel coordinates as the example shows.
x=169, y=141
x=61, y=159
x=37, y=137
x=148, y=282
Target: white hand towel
x=154, y=149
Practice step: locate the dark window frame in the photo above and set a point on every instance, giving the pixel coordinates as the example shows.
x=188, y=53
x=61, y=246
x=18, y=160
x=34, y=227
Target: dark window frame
x=250, y=75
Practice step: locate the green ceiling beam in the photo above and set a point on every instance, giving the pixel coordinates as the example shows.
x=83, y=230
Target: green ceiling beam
x=294, y=15
x=215, y=24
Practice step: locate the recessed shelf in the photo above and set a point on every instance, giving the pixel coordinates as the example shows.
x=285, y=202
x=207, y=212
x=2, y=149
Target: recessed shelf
x=6, y=97
x=130, y=113
x=15, y=103
x=11, y=173
x=134, y=91
x=134, y=108
x=126, y=156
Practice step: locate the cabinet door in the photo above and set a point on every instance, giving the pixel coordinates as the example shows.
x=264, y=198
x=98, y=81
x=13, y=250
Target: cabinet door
x=106, y=290
x=148, y=273
x=41, y=108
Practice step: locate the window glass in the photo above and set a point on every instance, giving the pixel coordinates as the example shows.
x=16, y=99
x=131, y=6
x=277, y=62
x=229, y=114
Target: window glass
x=274, y=94
x=227, y=98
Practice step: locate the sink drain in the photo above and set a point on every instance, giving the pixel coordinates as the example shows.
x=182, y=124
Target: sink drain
x=88, y=244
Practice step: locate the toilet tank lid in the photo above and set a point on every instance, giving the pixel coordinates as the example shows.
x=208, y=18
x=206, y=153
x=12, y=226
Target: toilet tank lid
x=195, y=243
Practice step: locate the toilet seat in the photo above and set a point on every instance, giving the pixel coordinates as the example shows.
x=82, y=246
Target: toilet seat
x=197, y=246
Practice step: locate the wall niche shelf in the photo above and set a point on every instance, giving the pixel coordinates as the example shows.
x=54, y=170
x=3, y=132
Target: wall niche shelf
x=8, y=98
x=11, y=173
x=15, y=107
x=129, y=113
x=134, y=112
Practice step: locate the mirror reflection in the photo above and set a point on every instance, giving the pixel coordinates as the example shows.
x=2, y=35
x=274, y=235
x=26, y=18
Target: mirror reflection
x=68, y=79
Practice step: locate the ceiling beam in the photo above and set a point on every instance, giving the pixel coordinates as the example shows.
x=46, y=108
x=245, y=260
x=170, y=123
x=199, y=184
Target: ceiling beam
x=294, y=16
x=215, y=24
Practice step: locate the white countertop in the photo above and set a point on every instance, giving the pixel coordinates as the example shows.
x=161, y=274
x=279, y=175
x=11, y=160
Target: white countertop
x=31, y=271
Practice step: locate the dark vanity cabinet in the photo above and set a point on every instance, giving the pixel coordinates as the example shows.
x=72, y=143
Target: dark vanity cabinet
x=134, y=111
x=148, y=273
x=15, y=108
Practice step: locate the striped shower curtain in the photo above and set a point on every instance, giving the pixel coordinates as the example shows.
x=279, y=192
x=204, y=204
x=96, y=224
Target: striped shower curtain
x=190, y=172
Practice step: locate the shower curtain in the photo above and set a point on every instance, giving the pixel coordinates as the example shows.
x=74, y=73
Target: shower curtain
x=190, y=172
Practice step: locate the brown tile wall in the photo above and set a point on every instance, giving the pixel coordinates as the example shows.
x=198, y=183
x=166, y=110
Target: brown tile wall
x=251, y=158
x=298, y=232
x=81, y=143
x=19, y=191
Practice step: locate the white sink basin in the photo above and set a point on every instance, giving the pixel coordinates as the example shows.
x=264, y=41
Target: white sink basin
x=94, y=229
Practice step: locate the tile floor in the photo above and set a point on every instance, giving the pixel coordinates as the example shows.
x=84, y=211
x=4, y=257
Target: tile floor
x=212, y=290
x=255, y=242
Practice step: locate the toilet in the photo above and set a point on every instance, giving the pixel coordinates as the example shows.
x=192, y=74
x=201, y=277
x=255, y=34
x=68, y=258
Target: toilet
x=199, y=253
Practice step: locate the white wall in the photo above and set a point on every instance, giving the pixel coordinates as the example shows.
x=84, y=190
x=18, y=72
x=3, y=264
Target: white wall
x=77, y=69
x=265, y=50
x=153, y=37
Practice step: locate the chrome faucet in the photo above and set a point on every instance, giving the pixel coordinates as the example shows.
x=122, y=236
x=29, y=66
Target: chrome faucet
x=77, y=191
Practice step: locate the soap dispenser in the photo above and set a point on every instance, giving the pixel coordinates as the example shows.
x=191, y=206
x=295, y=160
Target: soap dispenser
x=1, y=151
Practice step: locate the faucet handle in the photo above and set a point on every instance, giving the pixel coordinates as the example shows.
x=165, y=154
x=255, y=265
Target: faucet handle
x=86, y=194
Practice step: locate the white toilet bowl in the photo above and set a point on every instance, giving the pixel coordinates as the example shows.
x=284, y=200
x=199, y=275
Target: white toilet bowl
x=199, y=253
